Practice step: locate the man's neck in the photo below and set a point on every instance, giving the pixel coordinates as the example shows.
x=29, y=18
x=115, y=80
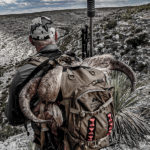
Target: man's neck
x=39, y=48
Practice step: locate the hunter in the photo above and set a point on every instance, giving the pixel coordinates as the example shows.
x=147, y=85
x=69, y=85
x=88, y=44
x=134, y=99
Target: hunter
x=44, y=37
x=68, y=100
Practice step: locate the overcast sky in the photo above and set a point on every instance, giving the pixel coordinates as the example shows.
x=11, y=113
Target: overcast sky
x=28, y=6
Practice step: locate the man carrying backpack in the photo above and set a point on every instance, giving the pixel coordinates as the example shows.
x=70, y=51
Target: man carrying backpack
x=68, y=101
x=75, y=102
x=44, y=37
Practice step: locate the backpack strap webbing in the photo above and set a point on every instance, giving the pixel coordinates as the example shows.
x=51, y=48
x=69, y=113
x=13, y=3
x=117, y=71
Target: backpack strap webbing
x=101, y=109
x=45, y=66
x=95, y=144
x=37, y=60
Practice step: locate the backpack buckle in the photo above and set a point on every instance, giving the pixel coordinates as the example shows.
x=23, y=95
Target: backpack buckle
x=93, y=144
x=82, y=114
x=82, y=144
x=102, y=109
x=71, y=76
x=92, y=72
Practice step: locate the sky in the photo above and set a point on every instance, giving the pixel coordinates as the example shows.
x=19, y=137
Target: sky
x=29, y=6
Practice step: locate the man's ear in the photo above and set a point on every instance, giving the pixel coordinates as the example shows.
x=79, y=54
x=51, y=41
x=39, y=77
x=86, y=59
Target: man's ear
x=30, y=39
x=56, y=36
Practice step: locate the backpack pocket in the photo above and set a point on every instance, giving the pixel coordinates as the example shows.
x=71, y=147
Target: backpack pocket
x=88, y=116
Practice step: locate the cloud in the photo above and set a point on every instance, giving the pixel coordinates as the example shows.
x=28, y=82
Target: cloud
x=8, y=1
x=28, y=6
x=23, y=4
x=53, y=0
x=32, y=10
x=5, y=2
x=8, y=4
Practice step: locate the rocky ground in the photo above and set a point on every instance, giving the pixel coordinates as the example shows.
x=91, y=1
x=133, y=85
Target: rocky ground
x=123, y=32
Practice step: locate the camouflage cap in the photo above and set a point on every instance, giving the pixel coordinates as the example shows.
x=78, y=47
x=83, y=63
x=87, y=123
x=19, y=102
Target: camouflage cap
x=41, y=28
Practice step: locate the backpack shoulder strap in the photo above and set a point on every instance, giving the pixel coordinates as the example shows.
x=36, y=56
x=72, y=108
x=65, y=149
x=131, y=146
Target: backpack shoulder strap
x=37, y=60
x=42, y=63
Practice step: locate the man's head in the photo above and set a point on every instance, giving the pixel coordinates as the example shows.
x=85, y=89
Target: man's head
x=42, y=33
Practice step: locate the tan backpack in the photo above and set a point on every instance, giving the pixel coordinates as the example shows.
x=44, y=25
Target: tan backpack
x=89, y=110
x=86, y=96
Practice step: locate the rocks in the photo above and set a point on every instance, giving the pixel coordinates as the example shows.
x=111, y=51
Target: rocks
x=116, y=37
x=123, y=23
x=18, y=142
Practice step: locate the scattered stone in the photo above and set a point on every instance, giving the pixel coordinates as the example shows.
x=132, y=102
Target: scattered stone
x=123, y=23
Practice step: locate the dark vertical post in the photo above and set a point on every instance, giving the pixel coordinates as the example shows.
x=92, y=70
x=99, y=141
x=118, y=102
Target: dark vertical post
x=86, y=37
x=91, y=37
x=83, y=43
x=91, y=14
